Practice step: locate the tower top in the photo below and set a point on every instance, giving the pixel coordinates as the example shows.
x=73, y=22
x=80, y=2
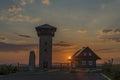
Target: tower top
x=46, y=26
x=46, y=30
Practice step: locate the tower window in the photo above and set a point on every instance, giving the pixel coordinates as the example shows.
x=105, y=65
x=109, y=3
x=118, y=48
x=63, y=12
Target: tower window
x=45, y=50
x=46, y=43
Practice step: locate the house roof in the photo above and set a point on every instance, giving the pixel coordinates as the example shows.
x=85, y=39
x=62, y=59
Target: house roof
x=79, y=53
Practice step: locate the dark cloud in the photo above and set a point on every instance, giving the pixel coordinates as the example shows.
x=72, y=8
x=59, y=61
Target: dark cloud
x=25, y=36
x=22, y=35
x=2, y=38
x=114, y=31
x=106, y=30
x=104, y=49
x=117, y=39
x=6, y=47
x=111, y=34
x=62, y=43
x=117, y=30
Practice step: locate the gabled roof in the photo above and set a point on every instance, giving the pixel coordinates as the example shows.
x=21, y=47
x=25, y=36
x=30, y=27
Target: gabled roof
x=79, y=53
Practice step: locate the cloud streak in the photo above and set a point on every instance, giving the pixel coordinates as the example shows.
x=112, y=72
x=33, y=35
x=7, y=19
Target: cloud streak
x=1, y=18
x=6, y=47
x=15, y=9
x=47, y=2
x=24, y=2
x=22, y=18
x=62, y=44
x=111, y=31
x=2, y=39
x=110, y=34
x=25, y=36
x=105, y=49
x=22, y=35
x=82, y=31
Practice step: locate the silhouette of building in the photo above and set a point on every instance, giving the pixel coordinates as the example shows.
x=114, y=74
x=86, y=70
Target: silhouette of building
x=45, y=33
x=84, y=58
x=32, y=61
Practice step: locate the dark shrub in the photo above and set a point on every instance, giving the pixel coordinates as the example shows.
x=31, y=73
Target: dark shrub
x=115, y=74
x=7, y=69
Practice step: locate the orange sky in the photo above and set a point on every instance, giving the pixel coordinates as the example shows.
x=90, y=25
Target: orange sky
x=80, y=23
x=60, y=54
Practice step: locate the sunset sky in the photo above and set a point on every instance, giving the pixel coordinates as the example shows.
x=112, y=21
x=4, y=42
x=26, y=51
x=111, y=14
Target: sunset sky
x=93, y=23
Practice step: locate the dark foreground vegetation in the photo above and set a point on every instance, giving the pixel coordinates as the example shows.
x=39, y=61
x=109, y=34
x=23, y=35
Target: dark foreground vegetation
x=112, y=70
x=7, y=69
x=108, y=68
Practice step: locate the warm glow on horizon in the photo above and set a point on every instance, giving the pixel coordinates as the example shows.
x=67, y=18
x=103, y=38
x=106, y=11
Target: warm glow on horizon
x=96, y=26
x=69, y=58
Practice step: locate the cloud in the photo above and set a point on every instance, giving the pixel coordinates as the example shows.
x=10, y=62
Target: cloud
x=24, y=2
x=31, y=1
x=22, y=18
x=32, y=20
x=82, y=31
x=105, y=49
x=94, y=20
x=20, y=41
x=110, y=34
x=117, y=39
x=62, y=43
x=15, y=9
x=103, y=6
x=2, y=39
x=117, y=30
x=106, y=30
x=2, y=18
x=111, y=31
x=22, y=35
x=47, y=2
x=6, y=47
x=65, y=29
x=25, y=36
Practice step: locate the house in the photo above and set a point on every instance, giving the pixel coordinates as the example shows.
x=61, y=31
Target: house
x=84, y=58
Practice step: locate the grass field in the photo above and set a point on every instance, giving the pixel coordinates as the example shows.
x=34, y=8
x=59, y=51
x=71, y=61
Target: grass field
x=112, y=71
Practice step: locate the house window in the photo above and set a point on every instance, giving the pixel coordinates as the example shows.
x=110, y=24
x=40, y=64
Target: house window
x=90, y=62
x=84, y=54
x=90, y=54
x=83, y=62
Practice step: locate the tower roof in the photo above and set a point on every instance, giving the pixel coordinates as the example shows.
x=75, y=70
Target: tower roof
x=46, y=26
x=46, y=30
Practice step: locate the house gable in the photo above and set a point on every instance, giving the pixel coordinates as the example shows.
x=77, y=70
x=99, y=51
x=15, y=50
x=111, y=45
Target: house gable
x=85, y=53
x=84, y=58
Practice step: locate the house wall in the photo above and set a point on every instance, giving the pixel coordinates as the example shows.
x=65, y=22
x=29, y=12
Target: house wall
x=79, y=64
x=85, y=58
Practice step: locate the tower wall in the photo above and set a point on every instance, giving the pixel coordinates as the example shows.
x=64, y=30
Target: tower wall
x=45, y=50
x=45, y=33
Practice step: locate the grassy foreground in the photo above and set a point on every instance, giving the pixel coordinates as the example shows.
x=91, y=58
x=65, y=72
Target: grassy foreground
x=112, y=71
